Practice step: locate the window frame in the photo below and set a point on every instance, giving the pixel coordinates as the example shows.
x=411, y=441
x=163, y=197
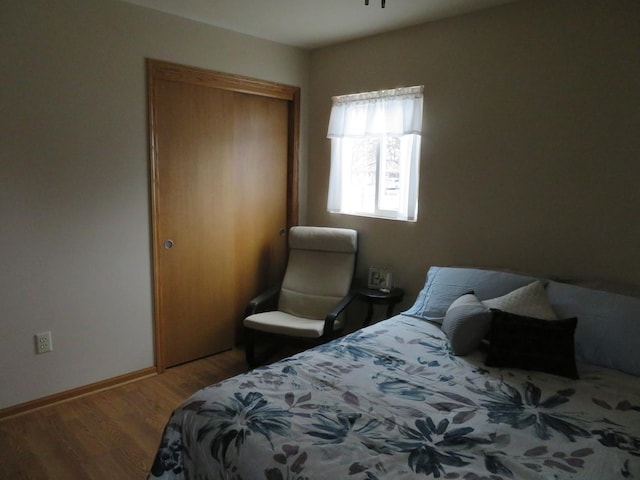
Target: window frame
x=353, y=124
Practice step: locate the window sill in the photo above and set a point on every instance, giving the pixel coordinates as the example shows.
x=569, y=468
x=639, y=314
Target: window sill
x=372, y=215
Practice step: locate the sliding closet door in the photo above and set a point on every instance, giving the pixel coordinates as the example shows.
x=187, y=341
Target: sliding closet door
x=221, y=162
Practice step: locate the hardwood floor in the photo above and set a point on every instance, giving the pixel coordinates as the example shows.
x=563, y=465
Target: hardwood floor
x=111, y=434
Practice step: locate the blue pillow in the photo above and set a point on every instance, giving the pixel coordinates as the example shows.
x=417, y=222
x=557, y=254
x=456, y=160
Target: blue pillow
x=445, y=284
x=608, y=332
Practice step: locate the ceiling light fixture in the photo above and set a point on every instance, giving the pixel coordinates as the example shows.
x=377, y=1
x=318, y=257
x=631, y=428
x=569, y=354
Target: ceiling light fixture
x=366, y=2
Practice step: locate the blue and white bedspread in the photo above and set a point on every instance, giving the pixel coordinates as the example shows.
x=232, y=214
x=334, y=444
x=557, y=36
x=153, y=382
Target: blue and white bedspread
x=392, y=402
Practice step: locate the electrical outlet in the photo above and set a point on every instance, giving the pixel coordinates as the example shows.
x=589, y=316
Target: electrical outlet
x=44, y=343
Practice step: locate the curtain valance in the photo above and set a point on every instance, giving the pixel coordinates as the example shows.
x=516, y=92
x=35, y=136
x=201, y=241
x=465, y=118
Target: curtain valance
x=386, y=112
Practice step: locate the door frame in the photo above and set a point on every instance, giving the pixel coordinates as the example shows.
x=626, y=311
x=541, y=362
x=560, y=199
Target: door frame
x=161, y=70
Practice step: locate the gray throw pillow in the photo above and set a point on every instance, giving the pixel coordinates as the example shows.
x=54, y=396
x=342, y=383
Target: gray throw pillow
x=466, y=323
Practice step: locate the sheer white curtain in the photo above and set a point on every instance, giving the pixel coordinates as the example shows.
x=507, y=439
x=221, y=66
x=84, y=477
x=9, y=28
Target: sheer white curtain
x=395, y=112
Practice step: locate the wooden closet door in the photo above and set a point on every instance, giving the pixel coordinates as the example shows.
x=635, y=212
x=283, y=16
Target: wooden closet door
x=220, y=198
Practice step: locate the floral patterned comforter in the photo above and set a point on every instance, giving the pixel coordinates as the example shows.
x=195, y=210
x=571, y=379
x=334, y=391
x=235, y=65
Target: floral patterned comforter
x=391, y=402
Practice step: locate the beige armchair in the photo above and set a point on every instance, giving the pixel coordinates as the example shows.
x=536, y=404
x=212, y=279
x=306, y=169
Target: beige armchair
x=314, y=292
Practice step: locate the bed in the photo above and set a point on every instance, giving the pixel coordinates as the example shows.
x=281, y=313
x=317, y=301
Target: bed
x=414, y=396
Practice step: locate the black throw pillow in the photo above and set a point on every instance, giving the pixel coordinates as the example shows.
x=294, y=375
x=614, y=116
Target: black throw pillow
x=532, y=344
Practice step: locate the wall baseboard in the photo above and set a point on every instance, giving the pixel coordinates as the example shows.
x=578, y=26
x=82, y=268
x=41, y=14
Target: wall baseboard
x=67, y=395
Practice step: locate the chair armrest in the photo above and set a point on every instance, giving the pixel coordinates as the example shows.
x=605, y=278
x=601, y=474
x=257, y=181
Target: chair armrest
x=264, y=301
x=337, y=310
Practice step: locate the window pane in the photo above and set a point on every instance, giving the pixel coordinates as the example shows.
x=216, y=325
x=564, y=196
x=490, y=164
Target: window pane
x=360, y=192
x=389, y=190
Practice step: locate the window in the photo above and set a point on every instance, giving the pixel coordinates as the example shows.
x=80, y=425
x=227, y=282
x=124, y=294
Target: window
x=375, y=153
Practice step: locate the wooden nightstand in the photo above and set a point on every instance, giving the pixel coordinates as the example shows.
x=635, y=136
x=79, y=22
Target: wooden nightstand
x=377, y=297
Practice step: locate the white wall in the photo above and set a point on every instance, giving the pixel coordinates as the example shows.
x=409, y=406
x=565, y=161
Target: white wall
x=531, y=151
x=74, y=193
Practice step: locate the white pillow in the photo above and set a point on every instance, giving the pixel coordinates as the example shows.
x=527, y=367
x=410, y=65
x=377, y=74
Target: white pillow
x=528, y=301
x=466, y=323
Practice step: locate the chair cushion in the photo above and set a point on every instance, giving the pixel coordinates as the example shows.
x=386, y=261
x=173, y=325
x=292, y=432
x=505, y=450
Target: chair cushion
x=285, y=324
x=325, y=239
x=319, y=270
x=315, y=282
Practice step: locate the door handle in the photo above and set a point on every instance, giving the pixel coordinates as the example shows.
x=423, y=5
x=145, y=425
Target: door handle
x=168, y=244
x=282, y=232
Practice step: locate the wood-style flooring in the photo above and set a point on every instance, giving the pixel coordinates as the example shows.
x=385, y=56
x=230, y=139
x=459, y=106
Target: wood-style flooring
x=111, y=434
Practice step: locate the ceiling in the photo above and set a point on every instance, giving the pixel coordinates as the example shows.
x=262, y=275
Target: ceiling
x=315, y=23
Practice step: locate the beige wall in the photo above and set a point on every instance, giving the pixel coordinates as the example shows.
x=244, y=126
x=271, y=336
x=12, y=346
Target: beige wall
x=531, y=151
x=74, y=196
